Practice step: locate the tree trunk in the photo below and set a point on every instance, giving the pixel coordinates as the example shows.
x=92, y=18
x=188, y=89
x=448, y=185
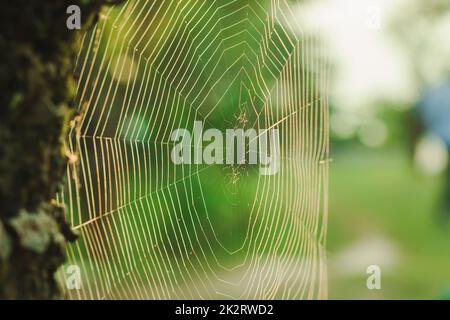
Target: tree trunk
x=37, y=53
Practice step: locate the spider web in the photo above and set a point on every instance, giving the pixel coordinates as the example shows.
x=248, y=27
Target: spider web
x=150, y=229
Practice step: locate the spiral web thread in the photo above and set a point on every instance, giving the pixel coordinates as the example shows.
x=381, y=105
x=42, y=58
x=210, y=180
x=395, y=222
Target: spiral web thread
x=146, y=228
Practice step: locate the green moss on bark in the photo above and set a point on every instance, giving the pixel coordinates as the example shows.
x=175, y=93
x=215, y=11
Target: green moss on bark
x=37, y=53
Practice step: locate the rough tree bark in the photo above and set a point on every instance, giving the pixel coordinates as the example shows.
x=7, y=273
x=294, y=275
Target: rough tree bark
x=37, y=53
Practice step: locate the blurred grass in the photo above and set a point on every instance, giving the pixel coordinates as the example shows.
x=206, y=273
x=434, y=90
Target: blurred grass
x=379, y=192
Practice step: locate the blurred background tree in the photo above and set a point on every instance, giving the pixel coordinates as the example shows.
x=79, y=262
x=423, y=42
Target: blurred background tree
x=388, y=174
